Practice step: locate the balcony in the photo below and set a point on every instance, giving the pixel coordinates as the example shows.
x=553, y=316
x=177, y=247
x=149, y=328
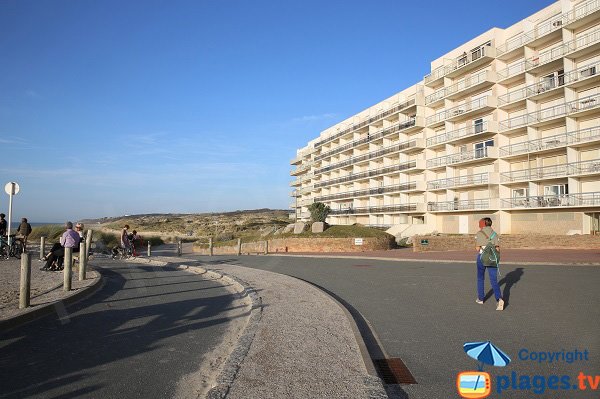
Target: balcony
x=516, y=123
x=406, y=166
x=436, y=97
x=482, y=104
x=467, y=62
x=395, y=188
x=475, y=155
x=547, y=143
x=407, y=125
x=586, y=76
x=479, y=179
x=436, y=120
x=407, y=146
x=541, y=33
x=399, y=208
x=301, y=169
x=463, y=205
x=549, y=56
x=577, y=108
x=435, y=77
x=581, y=14
x=487, y=127
x=553, y=201
x=513, y=45
x=514, y=72
x=585, y=44
x=410, y=102
x=591, y=167
x=584, y=136
x=296, y=161
x=471, y=84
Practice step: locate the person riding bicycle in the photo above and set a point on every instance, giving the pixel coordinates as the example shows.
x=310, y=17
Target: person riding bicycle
x=23, y=231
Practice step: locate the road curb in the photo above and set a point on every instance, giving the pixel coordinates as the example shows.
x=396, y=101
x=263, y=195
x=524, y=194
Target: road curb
x=48, y=308
x=512, y=263
x=232, y=365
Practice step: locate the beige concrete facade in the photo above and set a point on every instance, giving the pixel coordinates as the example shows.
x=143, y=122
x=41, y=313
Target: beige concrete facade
x=506, y=125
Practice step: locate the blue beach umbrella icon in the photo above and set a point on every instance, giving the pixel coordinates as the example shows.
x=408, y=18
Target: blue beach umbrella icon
x=486, y=353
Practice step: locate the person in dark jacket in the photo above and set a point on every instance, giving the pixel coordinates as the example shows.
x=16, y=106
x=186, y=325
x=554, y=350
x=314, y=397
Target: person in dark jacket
x=23, y=231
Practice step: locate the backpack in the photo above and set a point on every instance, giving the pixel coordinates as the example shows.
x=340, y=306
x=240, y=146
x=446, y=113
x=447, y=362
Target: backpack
x=490, y=257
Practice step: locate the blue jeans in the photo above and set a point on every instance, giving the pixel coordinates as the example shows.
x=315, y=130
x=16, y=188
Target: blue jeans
x=493, y=272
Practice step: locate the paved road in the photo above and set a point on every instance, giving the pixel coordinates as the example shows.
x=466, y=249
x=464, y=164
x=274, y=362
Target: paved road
x=143, y=335
x=424, y=312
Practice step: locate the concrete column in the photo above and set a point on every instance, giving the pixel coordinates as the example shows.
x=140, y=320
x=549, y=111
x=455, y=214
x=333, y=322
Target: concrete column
x=239, y=247
x=82, y=261
x=67, y=269
x=88, y=242
x=210, y=246
x=42, y=246
x=25, y=287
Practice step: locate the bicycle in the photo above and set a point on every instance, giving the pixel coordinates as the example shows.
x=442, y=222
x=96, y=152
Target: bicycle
x=15, y=249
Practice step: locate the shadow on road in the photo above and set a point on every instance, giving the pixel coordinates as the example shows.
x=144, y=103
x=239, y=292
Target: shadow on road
x=507, y=281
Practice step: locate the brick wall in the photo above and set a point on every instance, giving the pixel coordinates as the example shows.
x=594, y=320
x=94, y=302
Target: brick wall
x=304, y=245
x=467, y=242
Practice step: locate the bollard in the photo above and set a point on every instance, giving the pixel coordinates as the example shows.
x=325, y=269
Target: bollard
x=210, y=246
x=149, y=250
x=25, y=288
x=239, y=247
x=42, y=247
x=67, y=269
x=82, y=261
x=178, y=247
x=88, y=242
x=266, y=247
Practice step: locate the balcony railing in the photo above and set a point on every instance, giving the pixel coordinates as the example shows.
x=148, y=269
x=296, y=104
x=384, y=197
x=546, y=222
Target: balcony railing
x=546, y=143
x=553, y=201
x=584, y=135
x=472, y=180
x=472, y=56
x=531, y=90
x=439, y=116
x=546, y=27
x=434, y=75
x=370, y=137
x=468, y=107
x=459, y=205
x=367, y=174
x=478, y=153
x=468, y=81
x=583, y=41
x=397, y=108
x=459, y=133
x=550, y=55
x=581, y=10
x=368, y=192
x=435, y=96
x=412, y=207
x=516, y=122
x=571, y=107
x=514, y=70
x=551, y=172
x=582, y=73
x=514, y=43
x=369, y=156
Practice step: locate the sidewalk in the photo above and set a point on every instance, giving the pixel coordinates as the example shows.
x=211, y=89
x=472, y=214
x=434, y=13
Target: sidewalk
x=509, y=256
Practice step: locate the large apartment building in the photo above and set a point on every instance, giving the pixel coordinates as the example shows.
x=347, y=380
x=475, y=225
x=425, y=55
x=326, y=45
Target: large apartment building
x=507, y=126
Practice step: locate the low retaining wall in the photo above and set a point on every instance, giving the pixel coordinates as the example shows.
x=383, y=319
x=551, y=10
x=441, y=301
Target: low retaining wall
x=514, y=241
x=303, y=245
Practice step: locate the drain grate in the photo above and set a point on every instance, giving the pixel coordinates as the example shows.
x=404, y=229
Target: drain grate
x=393, y=371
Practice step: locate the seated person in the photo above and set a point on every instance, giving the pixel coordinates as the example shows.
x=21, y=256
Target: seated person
x=69, y=239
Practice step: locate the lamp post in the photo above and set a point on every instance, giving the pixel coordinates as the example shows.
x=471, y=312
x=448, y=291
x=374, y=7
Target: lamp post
x=11, y=189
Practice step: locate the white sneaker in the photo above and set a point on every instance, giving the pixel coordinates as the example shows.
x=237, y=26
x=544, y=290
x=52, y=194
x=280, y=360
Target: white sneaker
x=500, y=304
x=479, y=301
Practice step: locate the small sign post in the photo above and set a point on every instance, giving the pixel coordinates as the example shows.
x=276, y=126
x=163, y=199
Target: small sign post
x=358, y=241
x=11, y=189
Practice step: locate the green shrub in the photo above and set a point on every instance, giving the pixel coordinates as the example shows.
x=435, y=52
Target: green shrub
x=52, y=232
x=319, y=211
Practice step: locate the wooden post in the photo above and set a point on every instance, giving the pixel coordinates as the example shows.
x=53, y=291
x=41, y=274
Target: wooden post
x=88, y=242
x=239, y=246
x=67, y=269
x=149, y=250
x=82, y=261
x=42, y=247
x=25, y=288
x=210, y=246
x=266, y=247
x=179, y=247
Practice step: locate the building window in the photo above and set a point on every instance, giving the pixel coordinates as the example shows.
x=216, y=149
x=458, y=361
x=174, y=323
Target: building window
x=478, y=124
x=481, y=148
x=556, y=190
x=520, y=192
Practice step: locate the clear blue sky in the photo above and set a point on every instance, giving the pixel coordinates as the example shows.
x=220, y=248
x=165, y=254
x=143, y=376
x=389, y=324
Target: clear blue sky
x=122, y=107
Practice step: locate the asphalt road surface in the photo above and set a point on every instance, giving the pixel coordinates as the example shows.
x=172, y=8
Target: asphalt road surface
x=149, y=332
x=425, y=312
